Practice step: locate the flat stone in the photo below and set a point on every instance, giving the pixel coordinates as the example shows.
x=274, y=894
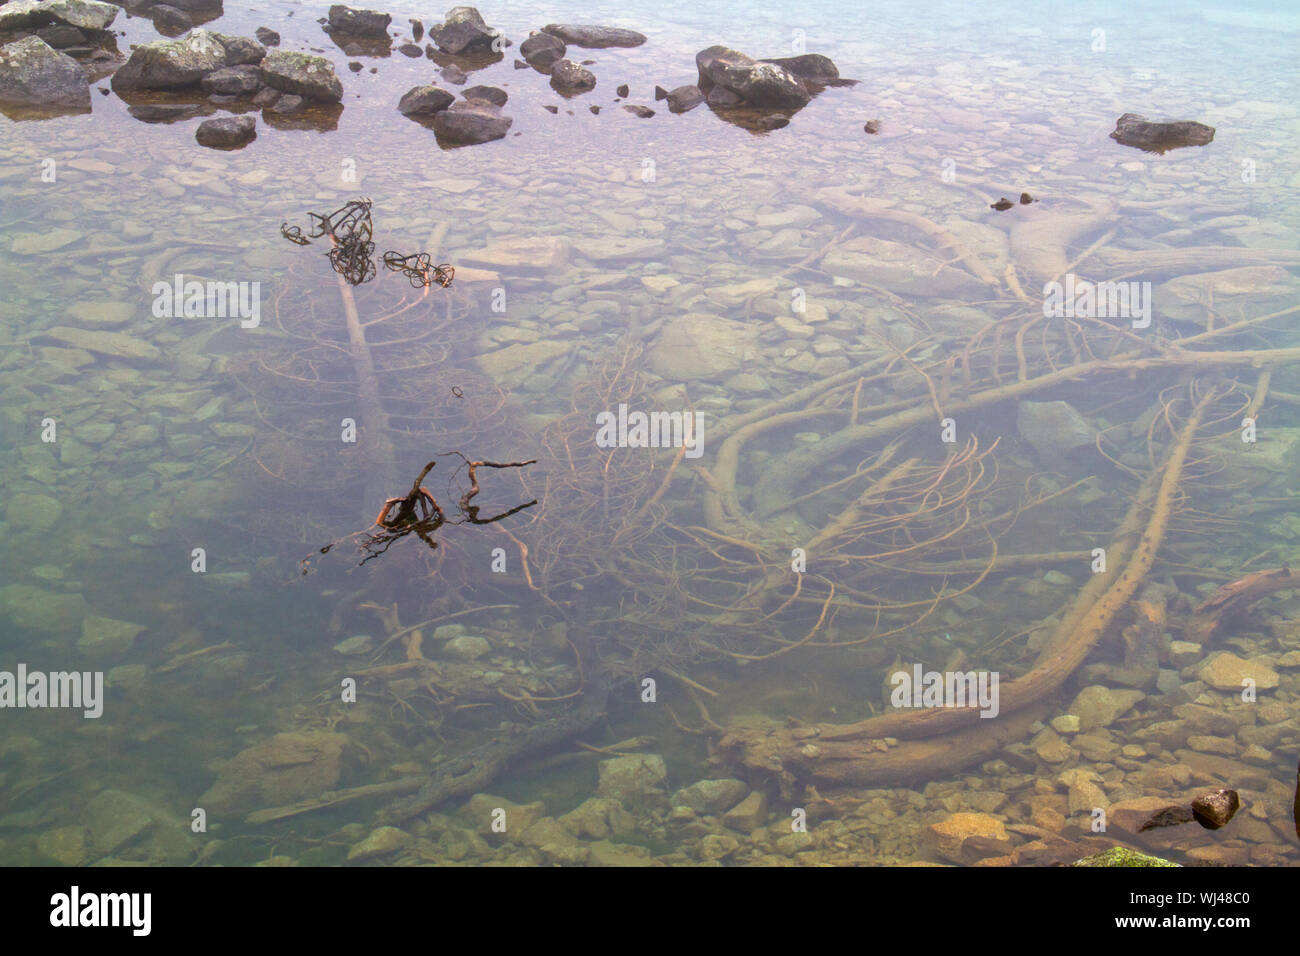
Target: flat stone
x=698, y=346
x=945, y=837
x=515, y=360
x=594, y=37
x=618, y=248
x=424, y=100
x=48, y=613
x=711, y=796
x=1227, y=671
x=523, y=254
x=66, y=846
x=383, y=841
x=102, y=313
x=631, y=778
x=115, y=344
x=35, y=243
x=748, y=815
x=1098, y=706
x=467, y=647
x=29, y=512
x=103, y=638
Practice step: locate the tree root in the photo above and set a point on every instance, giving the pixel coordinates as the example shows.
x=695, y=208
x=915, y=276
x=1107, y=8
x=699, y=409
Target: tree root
x=858, y=753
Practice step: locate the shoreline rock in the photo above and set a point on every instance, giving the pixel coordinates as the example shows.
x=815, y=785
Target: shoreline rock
x=34, y=74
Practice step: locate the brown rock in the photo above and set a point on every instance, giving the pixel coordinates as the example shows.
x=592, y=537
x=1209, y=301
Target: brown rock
x=946, y=836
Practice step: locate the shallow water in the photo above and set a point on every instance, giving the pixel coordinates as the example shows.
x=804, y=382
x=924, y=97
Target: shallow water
x=227, y=439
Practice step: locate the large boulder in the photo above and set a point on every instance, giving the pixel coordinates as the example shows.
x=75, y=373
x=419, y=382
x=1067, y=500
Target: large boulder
x=753, y=82
x=570, y=79
x=169, y=64
x=309, y=76
x=811, y=68
x=542, y=50
x=594, y=37
x=424, y=101
x=463, y=31
x=1134, y=130
x=363, y=23
x=34, y=74
x=470, y=122
x=85, y=14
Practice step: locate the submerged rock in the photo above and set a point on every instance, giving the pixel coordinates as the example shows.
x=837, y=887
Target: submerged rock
x=284, y=769
x=34, y=74
x=1053, y=428
x=594, y=37
x=1134, y=130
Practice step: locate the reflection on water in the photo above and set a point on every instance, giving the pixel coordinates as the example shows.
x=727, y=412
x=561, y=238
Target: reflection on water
x=909, y=465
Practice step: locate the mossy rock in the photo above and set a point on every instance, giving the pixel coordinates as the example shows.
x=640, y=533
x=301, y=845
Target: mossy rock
x=1119, y=856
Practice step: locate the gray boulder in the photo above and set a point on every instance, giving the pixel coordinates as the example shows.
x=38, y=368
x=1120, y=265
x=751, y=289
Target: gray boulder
x=86, y=14
x=470, y=122
x=226, y=132
x=569, y=78
x=362, y=23
x=463, y=31
x=169, y=64
x=241, y=50
x=542, y=50
x=169, y=21
x=1134, y=130
x=811, y=68
x=594, y=37
x=310, y=76
x=756, y=83
x=233, y=81
x=34, y=74
x=425, y=101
